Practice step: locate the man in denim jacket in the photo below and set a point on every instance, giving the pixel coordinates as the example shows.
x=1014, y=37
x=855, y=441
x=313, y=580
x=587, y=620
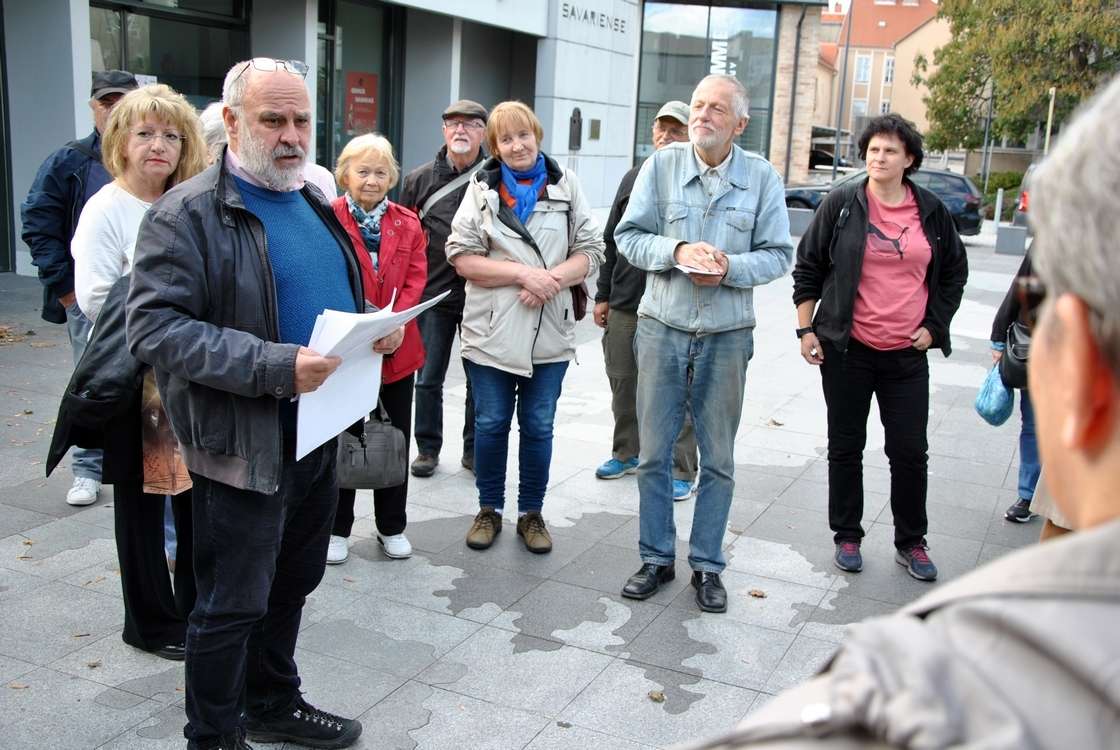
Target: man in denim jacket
x=708, y=221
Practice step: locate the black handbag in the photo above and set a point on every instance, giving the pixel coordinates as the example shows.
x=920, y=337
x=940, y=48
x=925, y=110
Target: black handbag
x=1013, y=363
x=376, y=459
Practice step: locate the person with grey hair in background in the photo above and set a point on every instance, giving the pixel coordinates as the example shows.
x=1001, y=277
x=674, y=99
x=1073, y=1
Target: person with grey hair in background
x=214, y=133
x=950, y=669
x=231, y=269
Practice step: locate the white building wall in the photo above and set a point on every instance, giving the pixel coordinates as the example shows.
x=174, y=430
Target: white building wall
x=589, y=59
x=288, y=31
x=526, y=16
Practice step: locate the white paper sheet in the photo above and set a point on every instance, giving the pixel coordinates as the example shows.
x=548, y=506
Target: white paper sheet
x=350, y=392
x=700, y=271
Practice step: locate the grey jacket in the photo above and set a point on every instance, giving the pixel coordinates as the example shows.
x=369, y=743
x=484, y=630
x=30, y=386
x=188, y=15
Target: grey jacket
x=745, y=218
x=1022, y=654
x=202, y=311
x=498, y=330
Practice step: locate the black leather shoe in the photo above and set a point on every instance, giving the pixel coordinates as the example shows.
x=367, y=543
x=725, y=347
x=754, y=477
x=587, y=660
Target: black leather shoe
x=171, y=652
x=644, y=583
x=710, y=593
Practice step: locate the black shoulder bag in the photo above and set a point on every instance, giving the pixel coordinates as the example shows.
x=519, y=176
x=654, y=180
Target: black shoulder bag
x=1013, y=363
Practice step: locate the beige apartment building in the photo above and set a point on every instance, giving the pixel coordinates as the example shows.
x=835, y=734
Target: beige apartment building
x=907, y=98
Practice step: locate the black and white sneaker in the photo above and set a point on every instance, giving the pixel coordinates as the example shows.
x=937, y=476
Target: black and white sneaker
x=304, y=724
x=1020, y=511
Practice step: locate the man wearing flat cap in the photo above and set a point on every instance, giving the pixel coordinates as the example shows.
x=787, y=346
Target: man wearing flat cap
x=434, y=191
x=50, y=214
x=619, y=290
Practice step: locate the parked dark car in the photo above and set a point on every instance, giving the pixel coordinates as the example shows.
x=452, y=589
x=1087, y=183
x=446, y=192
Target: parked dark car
x=957, y=192
x=818, y=157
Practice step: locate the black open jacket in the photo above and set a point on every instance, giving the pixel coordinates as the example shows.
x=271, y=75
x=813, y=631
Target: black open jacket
x=830, y=261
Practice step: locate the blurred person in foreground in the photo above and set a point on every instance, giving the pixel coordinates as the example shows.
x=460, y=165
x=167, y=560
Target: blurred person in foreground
x=618, y=292
x=523, y=236
x=231, y=269
x=1022, y=653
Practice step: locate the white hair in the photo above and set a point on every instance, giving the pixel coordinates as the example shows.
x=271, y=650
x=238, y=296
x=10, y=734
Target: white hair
x=236, y=81
x=740, y=101
x=213, y=128
x=1075, y=218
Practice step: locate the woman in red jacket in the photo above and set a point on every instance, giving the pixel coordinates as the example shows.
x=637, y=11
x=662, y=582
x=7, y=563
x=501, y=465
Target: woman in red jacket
x=392, y=250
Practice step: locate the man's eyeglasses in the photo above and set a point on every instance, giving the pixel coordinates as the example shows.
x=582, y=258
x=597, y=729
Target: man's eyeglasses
x=1030, y=291
x=271, y=65
x=454, y=125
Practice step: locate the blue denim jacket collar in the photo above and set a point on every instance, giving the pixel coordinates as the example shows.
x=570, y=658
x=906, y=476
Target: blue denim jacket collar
x=737, y=171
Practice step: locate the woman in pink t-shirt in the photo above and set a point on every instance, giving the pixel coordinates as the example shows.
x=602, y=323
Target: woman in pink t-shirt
x=885, y=263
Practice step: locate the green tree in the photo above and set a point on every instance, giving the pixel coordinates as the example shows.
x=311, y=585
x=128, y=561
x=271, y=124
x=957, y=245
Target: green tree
x=1017, y=49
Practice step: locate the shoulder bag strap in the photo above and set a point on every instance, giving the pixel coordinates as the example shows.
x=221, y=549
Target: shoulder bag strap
x=448, y=189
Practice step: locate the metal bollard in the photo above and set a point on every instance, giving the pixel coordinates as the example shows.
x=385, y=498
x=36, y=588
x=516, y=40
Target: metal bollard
x=999, y=205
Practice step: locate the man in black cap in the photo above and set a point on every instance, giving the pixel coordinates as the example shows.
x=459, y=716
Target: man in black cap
x=434, y=190
x=50, y=213
x=620, y=289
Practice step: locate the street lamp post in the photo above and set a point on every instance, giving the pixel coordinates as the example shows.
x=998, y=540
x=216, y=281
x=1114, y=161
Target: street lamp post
x=1049, y=122
x=843, y=85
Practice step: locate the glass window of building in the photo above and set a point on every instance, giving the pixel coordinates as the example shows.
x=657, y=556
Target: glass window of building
x=682, y=43
x=863, y=68
x=189, y=51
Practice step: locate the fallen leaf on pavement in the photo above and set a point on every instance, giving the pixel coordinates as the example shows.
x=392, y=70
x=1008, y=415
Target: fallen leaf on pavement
x=564, y=724
x=657, y=696
x=772, y=423
x=18, y=686
x=758, y=593
x=80, y=635
x=93, y=664
x=348, y=579
x=42, y=344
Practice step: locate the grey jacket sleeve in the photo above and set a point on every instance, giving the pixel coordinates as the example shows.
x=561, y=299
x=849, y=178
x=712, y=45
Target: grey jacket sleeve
x=168, y=305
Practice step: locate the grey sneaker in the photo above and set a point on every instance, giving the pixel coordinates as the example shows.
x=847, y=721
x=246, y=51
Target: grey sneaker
x=1020, y=511
x=848, y=557
x=917, y=563
x=424, y=465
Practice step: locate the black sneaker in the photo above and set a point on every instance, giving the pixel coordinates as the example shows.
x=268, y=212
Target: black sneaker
x=304, y=724
x=1020, y=511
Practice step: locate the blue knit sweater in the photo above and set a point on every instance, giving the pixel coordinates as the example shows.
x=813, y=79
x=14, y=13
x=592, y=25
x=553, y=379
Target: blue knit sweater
x=308, y=264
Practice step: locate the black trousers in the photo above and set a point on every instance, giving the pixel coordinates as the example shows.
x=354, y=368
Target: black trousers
x=388, y=504
x=256, y=557
x=899, y=380
x=154, y=614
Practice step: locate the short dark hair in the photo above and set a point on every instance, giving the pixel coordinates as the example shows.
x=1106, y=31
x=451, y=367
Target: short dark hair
x=897, y=125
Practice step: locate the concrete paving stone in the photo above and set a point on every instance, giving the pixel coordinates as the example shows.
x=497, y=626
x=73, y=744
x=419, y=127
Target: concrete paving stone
x=60, y=711
x=809, y=564
x=617, y=703
x=803, y=660
x=991, y=552
x=811, y=446
x=562, y=735
x=385, y=635
x=885, y=580
x=784, y=606
x=769, y=460
x=325, y=601
x=620, y=494
x=100, y=515
x=342, y=687
x=759, y=486
x=949, y=520
x=829, y=620
x=580, y=617
x=712, y=646
x=420, y=716
x=57, y=549
x=104, y=578
x=43, y=623
x=784, y=523
x=480, y=591
x=957, y=444
x=162, y=730
x=803, y=414
x=961, y=494
x=11, y=668
x=113, y=663
x=14, y=520
x=508, y=552
x=27, y=488
x=1009, y=533
x=605, y=567
x=963, y=470
x=811, y=495
x=683, y=512
x=501, y=667
x=626, y=537
x=578, y=518
x=434, y=535
x=412, y=581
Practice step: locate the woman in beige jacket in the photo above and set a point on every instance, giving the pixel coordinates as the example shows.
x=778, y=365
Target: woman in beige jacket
x=524, y=239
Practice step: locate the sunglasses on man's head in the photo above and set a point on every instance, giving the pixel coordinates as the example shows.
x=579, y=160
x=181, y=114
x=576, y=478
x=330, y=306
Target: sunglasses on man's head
x=270, y=65
x=1030, y=291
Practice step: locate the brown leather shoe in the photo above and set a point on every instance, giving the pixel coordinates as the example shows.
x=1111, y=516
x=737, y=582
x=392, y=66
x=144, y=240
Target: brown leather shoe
x=531, y=528
x=487, y=525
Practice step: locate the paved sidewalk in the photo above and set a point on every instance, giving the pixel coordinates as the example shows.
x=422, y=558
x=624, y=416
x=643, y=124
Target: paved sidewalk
x=503, y=649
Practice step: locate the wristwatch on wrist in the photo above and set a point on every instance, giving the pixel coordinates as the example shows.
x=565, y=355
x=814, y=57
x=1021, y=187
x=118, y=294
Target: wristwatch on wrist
x=802, y=331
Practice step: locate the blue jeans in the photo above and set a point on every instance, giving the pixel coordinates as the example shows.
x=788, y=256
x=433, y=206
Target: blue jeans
x=437, y=331
x=495, y=393
x=1030, y=465
x=256, y=559
x=679, y=371
x=85, y=462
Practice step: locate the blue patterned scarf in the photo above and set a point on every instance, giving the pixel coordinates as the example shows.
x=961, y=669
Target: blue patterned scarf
x=525, y=196
x=369, y=224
